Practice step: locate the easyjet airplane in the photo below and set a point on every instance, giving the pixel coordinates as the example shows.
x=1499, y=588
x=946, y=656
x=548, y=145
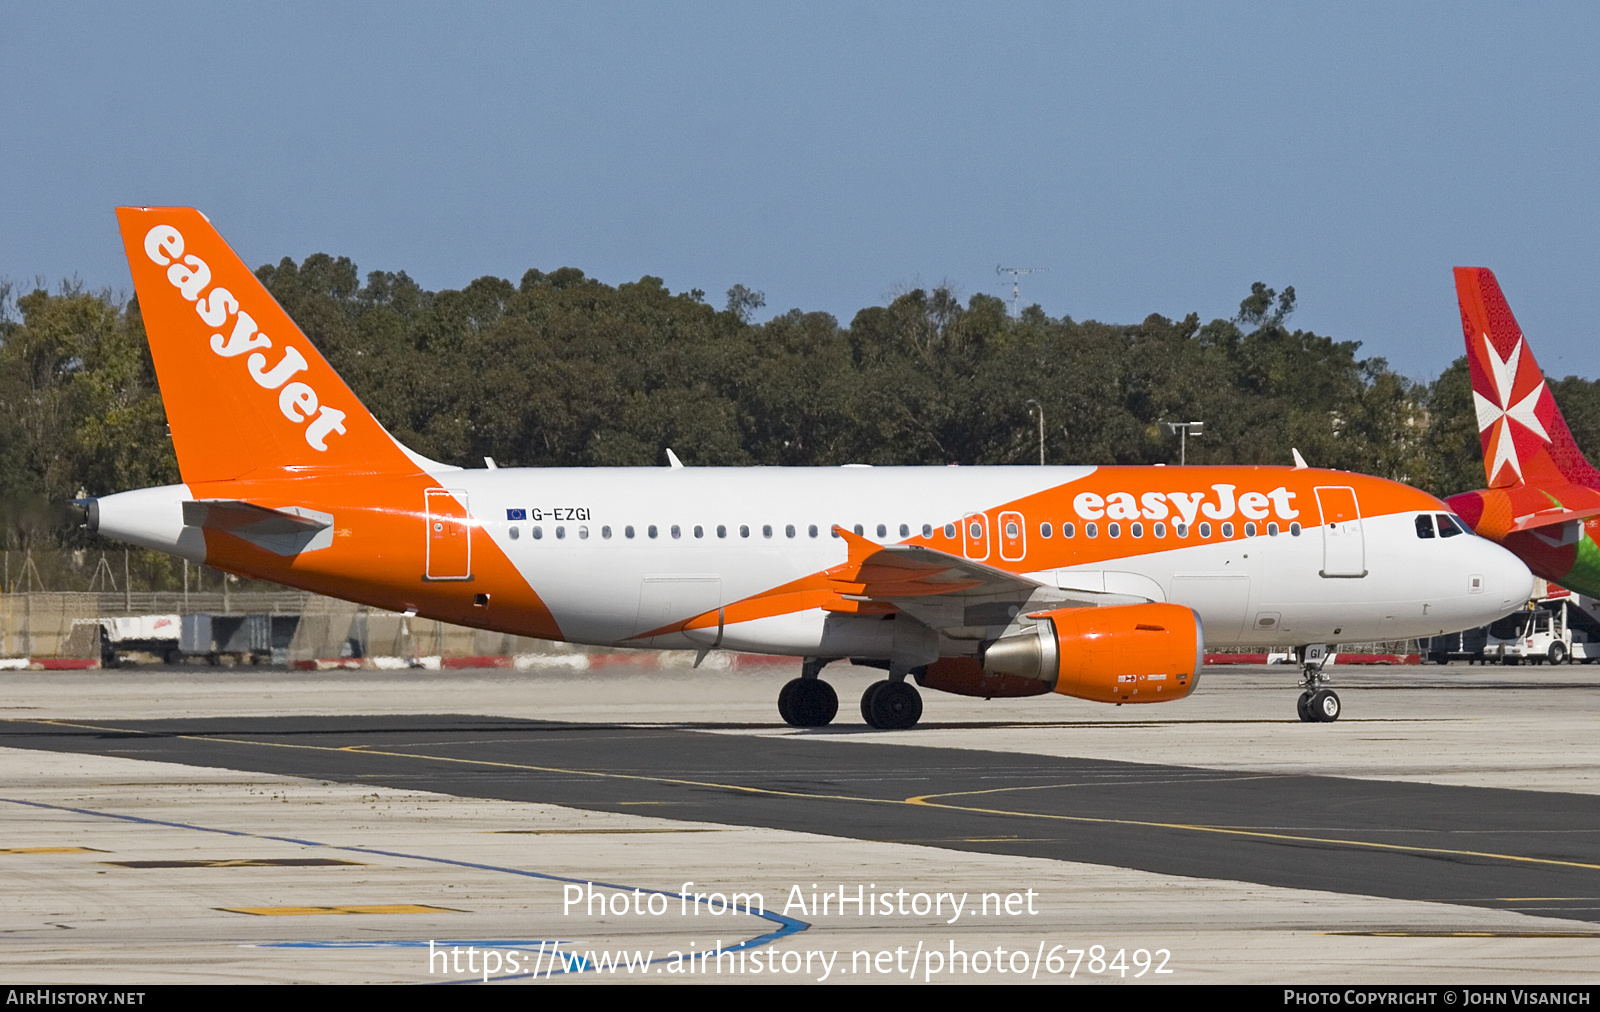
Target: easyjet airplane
x=1543, y=499
x=1102, y=583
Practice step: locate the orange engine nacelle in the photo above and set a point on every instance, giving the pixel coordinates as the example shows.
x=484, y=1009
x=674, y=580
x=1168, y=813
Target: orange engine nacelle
x=1131, y=653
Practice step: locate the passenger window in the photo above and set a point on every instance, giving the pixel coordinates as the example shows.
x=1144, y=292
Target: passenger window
x=883, y=531
x=538, y=532
x=1449, y=527
x=1068, y=530
x=1114, y=530
x=699, y=531
x=651, y=530
x=949, y=530
x=1160, y=530
x=744, y=530
x=1424, y=525
x=1091, y=530
x=927, y=530
x=812, y=530
x=515, y=534
x=766, y=530
x=627, y=531
x=1272, y=529
x=1294, y=529
x=561, y=532
x=788, y=531
x=1250, y=529
x=676, y=531
x=583, y=532
x=1181, y=530
x=1137, y=530
x=1045, y=530
x=860, y=531
x=1205, y=530
x=1011, y=529
x=1227, y=530
x=605, y=532
x=722, y=530
x=905, y=530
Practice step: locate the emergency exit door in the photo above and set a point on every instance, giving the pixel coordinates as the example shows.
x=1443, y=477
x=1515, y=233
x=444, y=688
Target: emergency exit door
x=449, y=536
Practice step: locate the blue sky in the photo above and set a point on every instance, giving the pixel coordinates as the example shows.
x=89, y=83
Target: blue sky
x=1155, y=158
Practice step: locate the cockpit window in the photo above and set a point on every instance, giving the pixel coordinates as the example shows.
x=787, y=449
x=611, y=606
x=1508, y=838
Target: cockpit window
x=1449, y=526
x=1424, y=526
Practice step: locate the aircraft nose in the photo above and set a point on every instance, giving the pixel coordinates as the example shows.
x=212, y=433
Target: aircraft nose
x=1506, y=578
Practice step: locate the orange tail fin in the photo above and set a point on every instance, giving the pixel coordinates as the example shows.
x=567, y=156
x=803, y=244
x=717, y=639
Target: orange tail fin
x=1525, y=439
x=246, y=393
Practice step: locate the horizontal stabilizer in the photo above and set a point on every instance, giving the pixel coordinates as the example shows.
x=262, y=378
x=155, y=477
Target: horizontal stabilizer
x=287, y=531
x=232, y=514
x=1550, y=518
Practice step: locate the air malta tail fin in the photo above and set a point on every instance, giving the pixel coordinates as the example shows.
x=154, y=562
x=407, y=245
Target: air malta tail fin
x=246, y=393
x=1525, y=439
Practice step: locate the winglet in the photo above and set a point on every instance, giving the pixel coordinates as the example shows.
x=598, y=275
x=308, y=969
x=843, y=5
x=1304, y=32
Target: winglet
x=860, y=548
x=672, y=459
x=1299, y=461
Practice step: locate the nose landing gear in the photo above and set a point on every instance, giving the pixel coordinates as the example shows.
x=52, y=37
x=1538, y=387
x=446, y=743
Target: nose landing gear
x=1317, y=704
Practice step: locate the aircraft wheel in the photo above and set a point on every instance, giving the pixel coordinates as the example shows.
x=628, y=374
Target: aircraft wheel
x=807, y=702
x=1302, y=706
x=1558, y=653
x=891, y=706
x=1323, y=706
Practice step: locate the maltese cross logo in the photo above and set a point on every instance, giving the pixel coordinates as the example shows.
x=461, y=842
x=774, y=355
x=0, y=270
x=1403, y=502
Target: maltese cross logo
x=1499, y=413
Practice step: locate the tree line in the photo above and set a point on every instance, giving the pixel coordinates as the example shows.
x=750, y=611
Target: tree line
x=559, y=369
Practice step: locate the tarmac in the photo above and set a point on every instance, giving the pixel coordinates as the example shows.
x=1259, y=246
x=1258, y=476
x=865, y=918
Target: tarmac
x=219, y=825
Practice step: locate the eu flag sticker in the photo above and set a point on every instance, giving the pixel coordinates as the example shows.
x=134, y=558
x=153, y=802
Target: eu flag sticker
x=516, y=514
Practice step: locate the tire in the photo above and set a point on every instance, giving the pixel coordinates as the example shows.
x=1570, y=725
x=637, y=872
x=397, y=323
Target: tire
x=786, y=701
x=1558, y=653
x=808, y=702
x=1302, y=706
x=1324, y=706
x=892, y=706
x=866, y=701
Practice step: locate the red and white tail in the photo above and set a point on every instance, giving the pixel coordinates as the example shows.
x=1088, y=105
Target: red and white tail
x=246, y=393
x=1525, y=439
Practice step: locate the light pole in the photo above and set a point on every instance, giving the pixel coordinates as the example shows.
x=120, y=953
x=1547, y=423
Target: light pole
x=1183, y=430
x=1039, y=408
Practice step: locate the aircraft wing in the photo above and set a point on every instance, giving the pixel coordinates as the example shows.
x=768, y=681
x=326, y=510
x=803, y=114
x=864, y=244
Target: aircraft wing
x=963, y=598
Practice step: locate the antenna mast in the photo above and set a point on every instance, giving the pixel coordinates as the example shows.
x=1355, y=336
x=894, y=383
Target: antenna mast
x=1016, y=289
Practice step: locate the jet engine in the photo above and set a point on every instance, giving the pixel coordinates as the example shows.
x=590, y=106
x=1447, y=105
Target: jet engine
x=1130, y=653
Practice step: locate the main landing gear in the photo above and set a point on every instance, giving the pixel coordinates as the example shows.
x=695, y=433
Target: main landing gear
x=1317, y=704
x=890, y=705
x=808, y=701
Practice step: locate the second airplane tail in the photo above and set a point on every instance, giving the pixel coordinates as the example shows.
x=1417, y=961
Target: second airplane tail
x=246, y=393
x=1525, y=439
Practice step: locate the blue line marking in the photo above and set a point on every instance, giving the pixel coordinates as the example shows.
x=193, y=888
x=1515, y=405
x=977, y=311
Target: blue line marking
x=786, y=925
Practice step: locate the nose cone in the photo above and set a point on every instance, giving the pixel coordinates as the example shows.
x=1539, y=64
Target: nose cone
x=1507, y=582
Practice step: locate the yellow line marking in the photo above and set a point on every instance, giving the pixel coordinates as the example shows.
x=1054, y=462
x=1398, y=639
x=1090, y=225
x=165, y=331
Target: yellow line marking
x=922, y=799
x=387, y=908
x=51, y=850
x=1232, y=831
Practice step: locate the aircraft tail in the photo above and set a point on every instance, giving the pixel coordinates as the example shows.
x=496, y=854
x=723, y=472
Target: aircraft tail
x=1525, y=439
x=246, y=393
